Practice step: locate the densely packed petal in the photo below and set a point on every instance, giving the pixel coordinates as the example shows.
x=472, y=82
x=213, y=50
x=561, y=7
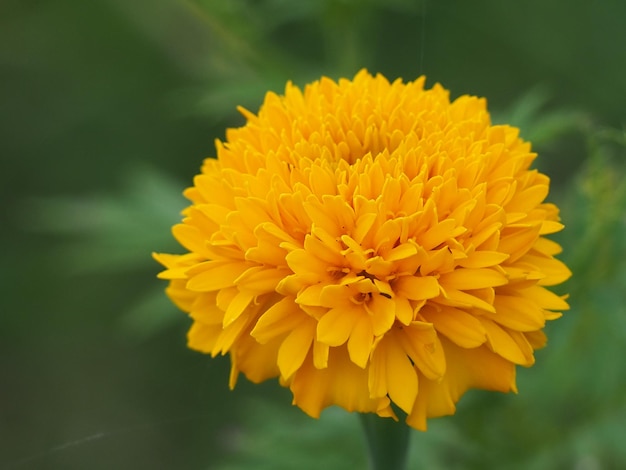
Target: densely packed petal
x=370, y=243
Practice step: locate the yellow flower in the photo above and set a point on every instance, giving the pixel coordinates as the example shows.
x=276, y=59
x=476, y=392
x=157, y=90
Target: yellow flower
x=370, y=242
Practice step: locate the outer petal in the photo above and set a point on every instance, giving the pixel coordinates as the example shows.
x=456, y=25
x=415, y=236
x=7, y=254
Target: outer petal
x=342, y=383
x=294, y=348
x=391, y=373
x=258, y=362
x=467, y=368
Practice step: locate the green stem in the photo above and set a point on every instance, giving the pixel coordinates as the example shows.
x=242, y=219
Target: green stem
x=387, y=440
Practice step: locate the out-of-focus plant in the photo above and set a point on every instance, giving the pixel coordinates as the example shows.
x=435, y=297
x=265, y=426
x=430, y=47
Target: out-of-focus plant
x=109, y=232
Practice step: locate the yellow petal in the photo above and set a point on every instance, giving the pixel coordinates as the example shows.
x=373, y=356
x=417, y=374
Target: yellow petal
x=422, y=345
x=528, y=199
x=440, y=233
x=294, y=349
x=377, y=371
x=458, y=298
x=458, y=326
x=517, y=313
x=544, y=298
x=502, y=342
x=433, y=400
x=467, y=368
x=400, y=376
x=202, y=337
x=404, y=310
x=383, y=313
x=518, y=240
x=554, y=270
x=166, y=260
x=267, y=252
x=236, y=307
x=483, y=259
x=478, y=368
x=306, y=265
x=177, y=265
x=467, y=279
x=342, y=383
x=215, y=275
x=190, y=237
x=386, y=235
x=231, y=334
x=256, y=361
x=326, y=249
x=417, y=287
x=260, y=279
x=402, y=251
x=182, y=297
x=179, y=272
x=321, y=352
x=550, y=226
x=311, y=296
x=536, y=339
x=285, y=315
x=361, y=341
x=335, y=326
x=363, y=225
x=439, y=260
x=547, y=247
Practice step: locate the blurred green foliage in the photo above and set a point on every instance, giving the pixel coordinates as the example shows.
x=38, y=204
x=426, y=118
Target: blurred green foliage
x=108, y=108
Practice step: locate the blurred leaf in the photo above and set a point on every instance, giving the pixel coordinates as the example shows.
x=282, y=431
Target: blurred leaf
x=594, y=211
x=539, y=124
x=150, y=314
x=281, y=437
x=116, y=233
x=111, y=232
x=324, y=37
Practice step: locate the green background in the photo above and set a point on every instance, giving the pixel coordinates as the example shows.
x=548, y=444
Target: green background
x=107, y=108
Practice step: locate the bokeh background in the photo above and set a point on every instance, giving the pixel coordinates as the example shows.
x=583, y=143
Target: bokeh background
x=107, y=108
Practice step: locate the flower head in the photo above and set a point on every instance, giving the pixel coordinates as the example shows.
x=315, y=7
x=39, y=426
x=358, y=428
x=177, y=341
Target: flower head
x=370, y=242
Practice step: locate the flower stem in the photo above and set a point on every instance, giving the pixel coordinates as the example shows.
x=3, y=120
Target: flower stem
x=387, y=440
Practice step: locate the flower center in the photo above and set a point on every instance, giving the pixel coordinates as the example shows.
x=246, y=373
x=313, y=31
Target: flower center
x=372, y=278
x=361, y=298
x=367, y=275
